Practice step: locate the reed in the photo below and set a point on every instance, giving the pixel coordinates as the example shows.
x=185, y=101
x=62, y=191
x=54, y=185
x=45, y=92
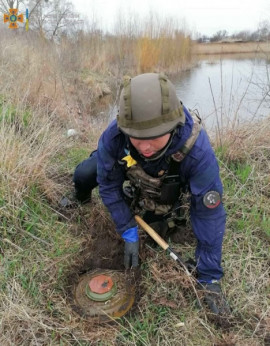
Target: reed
x=231, y=48
x=73, y=74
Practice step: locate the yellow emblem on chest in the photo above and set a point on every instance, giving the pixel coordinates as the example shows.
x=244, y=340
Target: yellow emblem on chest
x=130, y=161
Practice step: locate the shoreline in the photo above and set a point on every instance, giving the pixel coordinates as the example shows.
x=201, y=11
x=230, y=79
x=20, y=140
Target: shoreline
x=224, y=48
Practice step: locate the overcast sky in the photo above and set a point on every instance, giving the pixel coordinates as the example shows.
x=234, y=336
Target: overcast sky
x=204, y=16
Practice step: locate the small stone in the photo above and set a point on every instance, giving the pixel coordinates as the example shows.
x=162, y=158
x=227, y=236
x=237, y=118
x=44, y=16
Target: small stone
x=72, y=133
x=180, y=324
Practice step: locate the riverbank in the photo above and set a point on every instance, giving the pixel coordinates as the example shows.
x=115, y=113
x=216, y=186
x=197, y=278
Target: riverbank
x=262, y=48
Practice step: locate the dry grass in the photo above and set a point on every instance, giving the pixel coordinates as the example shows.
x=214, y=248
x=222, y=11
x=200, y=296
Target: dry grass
x=53, y=77
x=245, y=167
x=148, y=53
x=248, y=142
x=71, y=77
x=45, y=90
x=231, y=48
x=37, y=245
x=163, y=47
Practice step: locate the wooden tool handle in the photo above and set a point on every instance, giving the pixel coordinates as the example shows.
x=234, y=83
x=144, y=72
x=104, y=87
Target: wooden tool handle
x=161, y=242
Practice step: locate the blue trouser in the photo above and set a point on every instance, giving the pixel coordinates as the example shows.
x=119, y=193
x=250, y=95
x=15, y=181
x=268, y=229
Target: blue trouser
x=85, y=177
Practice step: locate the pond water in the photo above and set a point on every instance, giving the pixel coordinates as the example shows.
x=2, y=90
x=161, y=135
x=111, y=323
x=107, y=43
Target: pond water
x=226, y=91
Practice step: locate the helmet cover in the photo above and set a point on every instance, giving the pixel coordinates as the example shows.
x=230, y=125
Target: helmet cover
x=149, y=107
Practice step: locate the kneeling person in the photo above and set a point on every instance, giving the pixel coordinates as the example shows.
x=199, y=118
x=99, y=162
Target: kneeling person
x=158, y=146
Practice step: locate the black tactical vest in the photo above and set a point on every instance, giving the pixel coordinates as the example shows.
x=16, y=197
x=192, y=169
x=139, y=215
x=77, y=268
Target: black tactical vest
x=159, y=195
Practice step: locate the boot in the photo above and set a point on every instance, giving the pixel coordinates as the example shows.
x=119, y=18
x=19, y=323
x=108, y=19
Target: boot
x=214, y=298
x=75, y=199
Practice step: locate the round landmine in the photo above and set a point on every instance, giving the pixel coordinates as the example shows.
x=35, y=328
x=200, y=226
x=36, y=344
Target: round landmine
x=104, y=293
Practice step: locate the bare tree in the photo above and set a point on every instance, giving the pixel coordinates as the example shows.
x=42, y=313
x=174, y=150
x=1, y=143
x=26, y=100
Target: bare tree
x=49, y=18
x=55, y=17
x=264, y=30
x=219, y=35
x=5, y=5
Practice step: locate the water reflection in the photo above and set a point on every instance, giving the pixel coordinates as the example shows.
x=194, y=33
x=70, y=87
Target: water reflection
x=226, y=90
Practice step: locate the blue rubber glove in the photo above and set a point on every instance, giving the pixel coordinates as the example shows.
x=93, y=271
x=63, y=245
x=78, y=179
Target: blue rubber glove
x=131, y=237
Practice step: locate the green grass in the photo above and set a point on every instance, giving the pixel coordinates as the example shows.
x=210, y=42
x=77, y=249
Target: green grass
x=40, y=246
x=145, y=326
x=36, y=229
x=69, y=158
x=10, y=115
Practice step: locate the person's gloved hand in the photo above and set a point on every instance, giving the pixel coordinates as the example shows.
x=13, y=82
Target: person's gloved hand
x=131, y=237
x=214, y=298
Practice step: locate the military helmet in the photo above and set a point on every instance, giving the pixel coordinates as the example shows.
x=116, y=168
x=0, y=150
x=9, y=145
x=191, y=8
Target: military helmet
x=149, y=107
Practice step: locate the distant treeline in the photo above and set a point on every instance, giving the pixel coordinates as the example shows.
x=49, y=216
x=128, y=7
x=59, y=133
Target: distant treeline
x=261, y=34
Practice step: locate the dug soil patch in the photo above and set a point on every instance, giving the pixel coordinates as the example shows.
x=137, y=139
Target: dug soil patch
x=102, y=248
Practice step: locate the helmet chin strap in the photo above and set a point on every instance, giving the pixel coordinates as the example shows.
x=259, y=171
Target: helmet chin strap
x=161, y=152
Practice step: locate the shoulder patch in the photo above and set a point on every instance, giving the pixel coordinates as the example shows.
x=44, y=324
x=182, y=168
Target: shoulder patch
x=211, y=199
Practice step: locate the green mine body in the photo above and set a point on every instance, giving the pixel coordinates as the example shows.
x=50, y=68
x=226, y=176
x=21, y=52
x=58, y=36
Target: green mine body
x=104, y=293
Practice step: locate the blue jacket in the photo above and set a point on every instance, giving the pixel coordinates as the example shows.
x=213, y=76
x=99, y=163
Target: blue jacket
x=199, y=170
